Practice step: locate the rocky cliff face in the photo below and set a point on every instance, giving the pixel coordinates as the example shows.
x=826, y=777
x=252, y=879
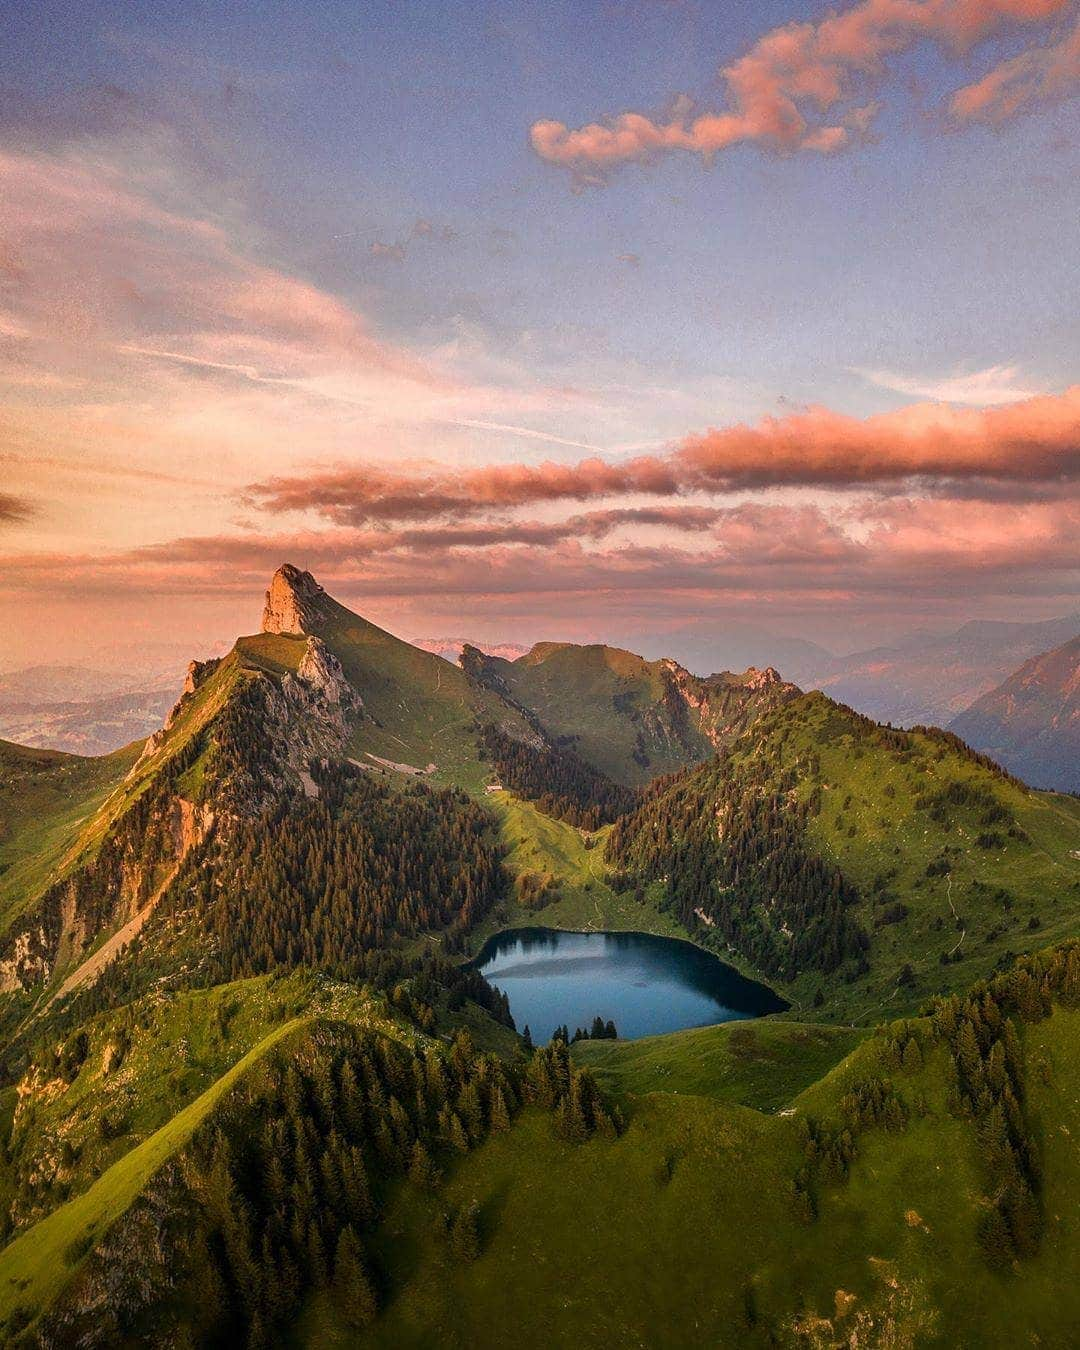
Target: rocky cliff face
x=230, y=748
x=294, y=602
x=722, y=706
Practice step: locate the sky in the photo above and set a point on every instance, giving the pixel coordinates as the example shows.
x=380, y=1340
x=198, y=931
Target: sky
x=517, y=321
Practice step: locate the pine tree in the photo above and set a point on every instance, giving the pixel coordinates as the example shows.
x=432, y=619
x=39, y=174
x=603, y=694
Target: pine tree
x=352, y=1290
x=422, y=1169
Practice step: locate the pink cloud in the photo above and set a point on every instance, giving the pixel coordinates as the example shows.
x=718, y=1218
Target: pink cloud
x=1041, y=74
x=94, y=258
x=788, y=92
x=1038, y=438
x=1010, y=447
x=906, y=552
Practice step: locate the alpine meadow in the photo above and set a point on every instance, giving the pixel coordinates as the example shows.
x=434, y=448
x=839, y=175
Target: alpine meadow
x=687, y=953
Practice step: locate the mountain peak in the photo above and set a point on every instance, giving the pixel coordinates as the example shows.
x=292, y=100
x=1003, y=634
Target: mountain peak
x=292, y=601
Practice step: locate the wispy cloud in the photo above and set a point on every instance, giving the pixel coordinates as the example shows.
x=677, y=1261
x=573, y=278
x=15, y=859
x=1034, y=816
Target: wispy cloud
x=979, y=388
x=1038, y=75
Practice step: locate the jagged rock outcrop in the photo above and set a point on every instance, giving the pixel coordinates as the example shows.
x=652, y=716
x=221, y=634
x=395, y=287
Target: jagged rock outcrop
x=259, y=745
x=763, y=679
x=294, y=602
x=198, y=672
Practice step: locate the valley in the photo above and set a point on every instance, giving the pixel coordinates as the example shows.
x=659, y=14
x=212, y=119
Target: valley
x=244, y=994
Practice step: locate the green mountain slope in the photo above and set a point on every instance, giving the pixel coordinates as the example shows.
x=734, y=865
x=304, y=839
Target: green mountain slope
x=419, y=711
x=45, y=796
x=694, y=1226
x=863, y=868
x=630, y=718
x=859, y=1213
x=236, y=1103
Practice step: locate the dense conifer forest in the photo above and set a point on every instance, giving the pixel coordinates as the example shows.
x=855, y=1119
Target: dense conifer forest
x=727, y=842
x=282, y=1193
x=559, y=782
x=321, y=881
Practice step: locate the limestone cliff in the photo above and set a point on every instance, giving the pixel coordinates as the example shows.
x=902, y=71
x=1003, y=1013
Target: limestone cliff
x=294, y=602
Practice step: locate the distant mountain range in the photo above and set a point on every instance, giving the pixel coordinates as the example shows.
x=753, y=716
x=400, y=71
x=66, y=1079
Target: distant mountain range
x=450, y=648
x=83, y=710
x=930, y=679
x=1031, y=722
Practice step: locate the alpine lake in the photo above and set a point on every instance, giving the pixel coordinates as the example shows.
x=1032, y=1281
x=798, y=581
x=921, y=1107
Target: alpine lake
x=646, y=985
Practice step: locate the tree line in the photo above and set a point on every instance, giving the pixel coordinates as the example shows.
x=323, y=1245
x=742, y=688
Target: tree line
x=556, y=780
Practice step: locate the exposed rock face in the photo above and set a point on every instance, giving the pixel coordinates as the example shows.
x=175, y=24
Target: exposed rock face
x=198, y=672
x=763, y=679
x=115, y=888
x=321, y=668
x=293, y=602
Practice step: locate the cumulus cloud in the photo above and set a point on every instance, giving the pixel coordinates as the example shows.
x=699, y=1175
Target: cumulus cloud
x=798, y=87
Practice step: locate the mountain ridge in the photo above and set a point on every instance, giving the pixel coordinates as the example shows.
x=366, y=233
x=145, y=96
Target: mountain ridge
x=1031, y=722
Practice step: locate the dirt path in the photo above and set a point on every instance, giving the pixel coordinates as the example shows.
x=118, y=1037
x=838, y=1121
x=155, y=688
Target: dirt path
x=956, y=917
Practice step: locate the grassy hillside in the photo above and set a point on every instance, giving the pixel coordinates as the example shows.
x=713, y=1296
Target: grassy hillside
x=38, y=1263
x=763, y=1064
x=611, y=703
x=134, y=1067
x=45, y=797
x=630, y=718
x=420, y=709
x=946, y=866
x=686, y=1230
x=561, y=879
x=983, y=867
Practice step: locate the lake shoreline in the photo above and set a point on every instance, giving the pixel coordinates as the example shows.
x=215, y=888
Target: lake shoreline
x=646, y=983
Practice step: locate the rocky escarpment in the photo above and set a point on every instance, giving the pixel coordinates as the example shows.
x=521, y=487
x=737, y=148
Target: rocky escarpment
x=294, y=602
x=303, y=717
x=721, y=707
x=111, y=888
x=203, y=771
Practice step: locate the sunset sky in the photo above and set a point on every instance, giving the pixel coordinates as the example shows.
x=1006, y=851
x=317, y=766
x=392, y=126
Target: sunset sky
x=579, y=320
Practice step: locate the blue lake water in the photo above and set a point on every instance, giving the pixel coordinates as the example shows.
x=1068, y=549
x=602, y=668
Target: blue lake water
x=647, y=985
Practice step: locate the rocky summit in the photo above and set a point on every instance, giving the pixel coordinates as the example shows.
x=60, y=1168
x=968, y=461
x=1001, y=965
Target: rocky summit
x=293, y=600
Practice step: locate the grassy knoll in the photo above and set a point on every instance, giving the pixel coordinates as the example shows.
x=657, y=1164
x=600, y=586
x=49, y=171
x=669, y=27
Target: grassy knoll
x=763, y=1064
